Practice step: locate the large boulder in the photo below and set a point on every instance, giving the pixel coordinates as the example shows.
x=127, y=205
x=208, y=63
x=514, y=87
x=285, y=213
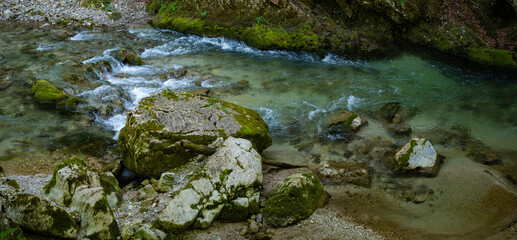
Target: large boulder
x=97, y=219
x=418, y=155
x=294, y=199
x=168, y=129
x=231, y=180
x=72, y=173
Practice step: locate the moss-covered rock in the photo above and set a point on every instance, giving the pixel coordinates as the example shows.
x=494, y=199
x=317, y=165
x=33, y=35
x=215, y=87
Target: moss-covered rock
x=354, y=27
x=44, y=92
x=418, y=155
x=97, y=219
x=128, y=57
x=168, y=129
x=68, y=175
x=342, y=125
x=294, y=199
x=39, y=215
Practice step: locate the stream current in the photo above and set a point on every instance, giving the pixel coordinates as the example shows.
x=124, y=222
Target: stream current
x=463, y=111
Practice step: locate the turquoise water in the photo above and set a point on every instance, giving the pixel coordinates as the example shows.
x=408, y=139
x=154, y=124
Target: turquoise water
x=293, y=92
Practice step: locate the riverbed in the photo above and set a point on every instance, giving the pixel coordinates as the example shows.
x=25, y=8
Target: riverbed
x=466, y=111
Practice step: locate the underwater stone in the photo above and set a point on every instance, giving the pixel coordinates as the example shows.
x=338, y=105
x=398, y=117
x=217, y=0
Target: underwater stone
x=294, y=199
x=5, y=83
x=358, y=174
x=342, y=125
x=418, y=155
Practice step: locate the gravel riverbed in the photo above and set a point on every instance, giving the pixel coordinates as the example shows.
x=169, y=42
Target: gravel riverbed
x=75, y=12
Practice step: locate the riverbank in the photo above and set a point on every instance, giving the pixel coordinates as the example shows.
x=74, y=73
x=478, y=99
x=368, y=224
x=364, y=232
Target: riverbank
x=276, y=84
x=77, y=13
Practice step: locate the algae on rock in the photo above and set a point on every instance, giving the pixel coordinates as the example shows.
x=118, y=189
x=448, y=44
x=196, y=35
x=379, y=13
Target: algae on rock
x=44, y=92
x=168, y=129
x=294, y=199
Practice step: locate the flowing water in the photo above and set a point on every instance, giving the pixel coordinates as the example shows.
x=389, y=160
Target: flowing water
x=293, y=92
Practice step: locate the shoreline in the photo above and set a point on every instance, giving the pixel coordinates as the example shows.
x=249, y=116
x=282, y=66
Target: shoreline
x=75, y=13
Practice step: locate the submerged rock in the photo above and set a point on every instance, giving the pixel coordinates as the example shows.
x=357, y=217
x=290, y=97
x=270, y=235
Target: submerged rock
x=5, y=83
x=358, y=174
x=128, y=57
x=342, y=125
x=417, y=155
x=294, y=199
x=168, y=129
x=44, y=92
x=232, y=180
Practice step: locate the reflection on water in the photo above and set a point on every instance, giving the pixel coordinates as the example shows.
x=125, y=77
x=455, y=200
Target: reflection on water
x=293, y=92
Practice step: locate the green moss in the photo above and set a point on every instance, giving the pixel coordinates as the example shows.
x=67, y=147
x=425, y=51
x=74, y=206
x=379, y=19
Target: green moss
x=493, y=56
x=115, y=16
x=72, y=161
x=403, y=160
x=44, y=92
x=102, y=206
x=63, y=222
x=296, y=198
x=169, y=94
x=110, y=185
x=232, y=212
x=264, y=37
x=70, y=104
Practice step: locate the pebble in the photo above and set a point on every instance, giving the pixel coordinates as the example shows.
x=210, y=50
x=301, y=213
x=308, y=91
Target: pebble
x=254, y=228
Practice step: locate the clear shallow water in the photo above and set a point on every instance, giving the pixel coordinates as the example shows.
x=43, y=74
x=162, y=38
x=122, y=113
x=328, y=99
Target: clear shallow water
x=293, y=92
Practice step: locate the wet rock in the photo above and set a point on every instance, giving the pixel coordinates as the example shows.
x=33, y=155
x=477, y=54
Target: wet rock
x=69, y=104
x=205, y=92
x=400, y=129
x=127, y=231
x=46, y=93
x=147, y=192
x=358, y=174
x=168, y=129
x=231, y=180
x=177, y=73
x=97, y=219
x=294, y=199
x=418, y=155
x=5, y=83
x=391, y=112
x=166, y=182
x=128, y=57
x=342, y=125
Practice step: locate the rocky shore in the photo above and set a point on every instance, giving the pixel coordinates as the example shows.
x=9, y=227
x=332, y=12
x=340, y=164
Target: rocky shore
x=76, y=12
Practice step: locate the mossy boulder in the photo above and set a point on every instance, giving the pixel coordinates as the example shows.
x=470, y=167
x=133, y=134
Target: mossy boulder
x=68, y=175
x=128, y=57
x=294, y=199
x=418, y=155
x=228, y=187
x=41, y=216
x=168, y=129
x=46, y=93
